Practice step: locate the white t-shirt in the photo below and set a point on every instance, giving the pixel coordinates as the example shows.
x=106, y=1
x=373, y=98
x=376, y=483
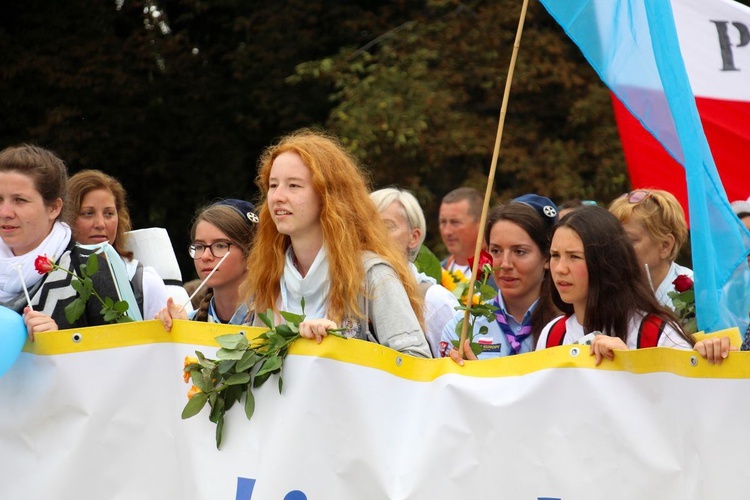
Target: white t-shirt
x=574, y=331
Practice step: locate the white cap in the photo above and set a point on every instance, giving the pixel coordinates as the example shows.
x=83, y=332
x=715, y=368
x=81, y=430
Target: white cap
x=741, y=206
x=153, y=248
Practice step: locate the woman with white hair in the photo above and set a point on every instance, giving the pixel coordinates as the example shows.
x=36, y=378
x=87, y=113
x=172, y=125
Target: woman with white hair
x=405, y=221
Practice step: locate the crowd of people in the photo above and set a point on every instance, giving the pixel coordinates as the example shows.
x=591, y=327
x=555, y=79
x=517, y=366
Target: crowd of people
x=319, y=243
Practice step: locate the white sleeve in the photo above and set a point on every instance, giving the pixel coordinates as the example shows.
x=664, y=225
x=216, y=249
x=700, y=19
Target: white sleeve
x=671, y=338
x=155, y=293
x=542, y=342
x=440, y=308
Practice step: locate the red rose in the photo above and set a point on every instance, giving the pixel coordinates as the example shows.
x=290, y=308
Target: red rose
x=485, y=258
x=682, y=283
x=43, y=265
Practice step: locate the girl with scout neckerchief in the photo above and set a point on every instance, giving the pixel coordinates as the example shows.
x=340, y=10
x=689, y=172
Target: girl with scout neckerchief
x=517, y=237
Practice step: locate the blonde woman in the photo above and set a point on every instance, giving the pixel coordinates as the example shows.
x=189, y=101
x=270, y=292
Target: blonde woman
x=655, y=223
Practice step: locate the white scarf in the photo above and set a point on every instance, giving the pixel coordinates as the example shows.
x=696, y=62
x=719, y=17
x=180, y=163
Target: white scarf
x=313, y=287
x=53, y=247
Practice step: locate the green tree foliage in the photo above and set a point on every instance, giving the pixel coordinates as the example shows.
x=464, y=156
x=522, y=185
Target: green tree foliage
x=421, y=106
x=176, y=98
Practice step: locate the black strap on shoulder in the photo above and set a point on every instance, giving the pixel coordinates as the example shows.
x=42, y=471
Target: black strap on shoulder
x=137, y=285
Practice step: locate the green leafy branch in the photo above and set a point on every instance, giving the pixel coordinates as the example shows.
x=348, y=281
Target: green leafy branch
x=242, y=365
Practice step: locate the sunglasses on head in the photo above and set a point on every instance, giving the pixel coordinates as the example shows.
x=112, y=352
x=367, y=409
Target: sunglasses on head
x=639, y=195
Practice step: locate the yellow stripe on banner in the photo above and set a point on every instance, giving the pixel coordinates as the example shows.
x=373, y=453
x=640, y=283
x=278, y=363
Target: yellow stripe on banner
x=368, y=354
x=130, y=334
x=660, y=359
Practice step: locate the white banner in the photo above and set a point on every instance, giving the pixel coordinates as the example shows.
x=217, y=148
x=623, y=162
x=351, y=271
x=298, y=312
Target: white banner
x=97, y=416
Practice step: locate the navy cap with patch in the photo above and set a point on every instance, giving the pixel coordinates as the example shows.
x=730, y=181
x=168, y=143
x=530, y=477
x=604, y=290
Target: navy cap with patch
x=543, y=206
x=245, y=209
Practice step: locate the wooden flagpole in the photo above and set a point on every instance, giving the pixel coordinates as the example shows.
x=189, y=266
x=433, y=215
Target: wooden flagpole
x=491, y=176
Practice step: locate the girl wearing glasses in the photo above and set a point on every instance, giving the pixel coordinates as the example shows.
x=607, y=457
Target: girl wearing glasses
x=225, y=231
x=601, y=289
x=321, y=240
x=97, y=213
x=655, y=223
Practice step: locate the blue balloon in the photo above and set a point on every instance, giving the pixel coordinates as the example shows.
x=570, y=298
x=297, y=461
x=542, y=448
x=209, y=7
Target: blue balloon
x=12, y=337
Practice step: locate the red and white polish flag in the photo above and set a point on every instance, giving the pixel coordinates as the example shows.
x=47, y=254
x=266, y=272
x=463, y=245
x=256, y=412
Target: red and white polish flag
x=714, y=39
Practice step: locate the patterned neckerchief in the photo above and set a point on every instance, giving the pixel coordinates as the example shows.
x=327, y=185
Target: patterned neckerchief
x=515, y=340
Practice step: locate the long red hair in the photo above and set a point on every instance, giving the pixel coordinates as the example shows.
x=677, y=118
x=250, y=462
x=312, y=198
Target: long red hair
x=351, y=225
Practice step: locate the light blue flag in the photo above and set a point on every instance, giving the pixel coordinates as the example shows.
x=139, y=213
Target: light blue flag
x=633, y=46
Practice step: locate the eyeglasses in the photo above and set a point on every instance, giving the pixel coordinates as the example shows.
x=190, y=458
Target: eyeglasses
x=639, y=195
x=218, y=249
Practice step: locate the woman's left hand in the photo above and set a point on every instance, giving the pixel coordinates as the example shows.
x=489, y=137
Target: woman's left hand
x=316, y=328
x=603, y=346
x=37, y=321
x=714, y=349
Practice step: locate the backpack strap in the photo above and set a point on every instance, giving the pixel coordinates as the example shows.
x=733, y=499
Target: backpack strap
x=557, y=332
x=137, y=284
x=650, y=330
